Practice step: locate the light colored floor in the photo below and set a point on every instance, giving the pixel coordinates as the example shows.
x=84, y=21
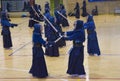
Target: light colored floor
x=103, y=68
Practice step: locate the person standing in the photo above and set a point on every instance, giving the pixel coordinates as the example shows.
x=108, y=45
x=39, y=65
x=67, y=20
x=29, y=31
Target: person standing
x=92, y=42
x=38, y=68
x=95, y=11
x=63, y=20
x=77, y=10
x=52, y=35
x=7, y=41
x=8, y=6
x=84, y=11
x=46, y=24
x=60, y=43
x=34, y=11
x=25, y=6
x=47, y=6
x=76, y=54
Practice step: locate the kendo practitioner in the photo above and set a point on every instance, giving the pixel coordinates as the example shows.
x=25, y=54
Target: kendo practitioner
x=26, y=6
x=63, y=21
x=77, y=11
x=38, y=68
x=60, y=43
x=52, y=35
x=76, y=54
x=95, y=11
x=34, y=11
x=92, y=42
x=46, y=24
x=7, y=41
x=84, y=11
x=8, y=7
x=47, y=6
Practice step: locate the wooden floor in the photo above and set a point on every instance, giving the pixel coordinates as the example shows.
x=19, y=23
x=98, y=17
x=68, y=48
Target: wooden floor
x=103, y=68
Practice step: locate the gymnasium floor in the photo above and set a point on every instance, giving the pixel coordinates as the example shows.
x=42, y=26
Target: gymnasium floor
x=15, y=63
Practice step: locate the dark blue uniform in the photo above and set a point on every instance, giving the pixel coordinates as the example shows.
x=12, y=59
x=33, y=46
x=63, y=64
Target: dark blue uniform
x=52, y=35
x=92, y=42
x=7, y=41
x=46, y=24
x=61, y=42
x=84, y=11
x=77, y=11
x=76, y=55
x=38, y=68
x=63, y=21
x=47, y=7
x=33, y=14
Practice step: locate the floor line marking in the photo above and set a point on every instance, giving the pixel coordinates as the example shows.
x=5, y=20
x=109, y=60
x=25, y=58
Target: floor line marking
x=19, y=48
x=14, y=69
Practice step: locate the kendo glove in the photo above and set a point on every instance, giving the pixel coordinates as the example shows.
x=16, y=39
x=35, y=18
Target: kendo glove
x=50, y=44
x=12, y=25
x=15, y=24
x=62, y=33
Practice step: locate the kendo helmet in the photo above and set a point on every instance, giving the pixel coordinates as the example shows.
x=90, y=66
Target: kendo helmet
x=78, y=25
x=4, y=14
x=90, y=18
x=37, y=28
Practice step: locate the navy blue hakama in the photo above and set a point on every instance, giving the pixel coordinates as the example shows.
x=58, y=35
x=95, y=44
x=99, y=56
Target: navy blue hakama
x=7, y=41
x=76, y=58
x=38, y=68
x=52, y=51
